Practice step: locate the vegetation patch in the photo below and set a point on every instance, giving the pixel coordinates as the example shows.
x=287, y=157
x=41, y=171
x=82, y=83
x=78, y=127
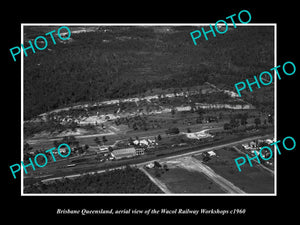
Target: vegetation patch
x=128, y=180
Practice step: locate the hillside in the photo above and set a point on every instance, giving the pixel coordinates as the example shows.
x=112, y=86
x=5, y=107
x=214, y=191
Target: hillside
x=118, y=62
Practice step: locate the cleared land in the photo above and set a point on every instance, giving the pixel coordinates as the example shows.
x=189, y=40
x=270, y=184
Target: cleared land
x=180, y=180
x=251, y=179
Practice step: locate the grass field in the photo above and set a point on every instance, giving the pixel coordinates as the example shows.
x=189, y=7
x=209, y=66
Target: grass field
x=179, y=180
x=251, y=179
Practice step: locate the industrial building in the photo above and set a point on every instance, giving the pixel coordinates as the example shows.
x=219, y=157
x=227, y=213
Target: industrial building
x=123, y=153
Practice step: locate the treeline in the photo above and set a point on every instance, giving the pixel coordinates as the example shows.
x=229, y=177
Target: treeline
x=31, y=128
x=240, y=119
x=97, y=66
x=128, y=180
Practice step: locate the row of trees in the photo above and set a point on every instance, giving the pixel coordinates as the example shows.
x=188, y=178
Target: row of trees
x=236, y=121
x=70, y=140
x=135, y=122
x=242, y=120
x=99, y=142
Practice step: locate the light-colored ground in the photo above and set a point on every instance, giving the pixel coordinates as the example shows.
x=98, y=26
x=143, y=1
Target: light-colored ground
x=102, y=119
x=35, y=141
x=200, y=134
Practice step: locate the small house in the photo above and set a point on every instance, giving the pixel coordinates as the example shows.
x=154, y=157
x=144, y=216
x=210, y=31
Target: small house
x=211, y=153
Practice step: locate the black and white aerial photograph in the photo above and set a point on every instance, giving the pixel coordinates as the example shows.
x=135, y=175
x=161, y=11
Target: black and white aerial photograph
x=145, y=111
x=185, y=112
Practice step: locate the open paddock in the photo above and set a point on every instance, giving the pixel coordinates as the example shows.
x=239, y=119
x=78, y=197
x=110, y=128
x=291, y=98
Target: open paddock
x=251, y=179
x=182, y=181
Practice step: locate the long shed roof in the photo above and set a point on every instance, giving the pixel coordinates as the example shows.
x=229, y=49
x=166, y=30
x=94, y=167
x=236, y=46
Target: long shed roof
x=125, y=152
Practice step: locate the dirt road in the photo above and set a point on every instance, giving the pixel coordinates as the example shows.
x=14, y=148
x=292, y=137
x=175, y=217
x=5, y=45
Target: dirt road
x=158, y=183
x=35, y=141
x=193, y=164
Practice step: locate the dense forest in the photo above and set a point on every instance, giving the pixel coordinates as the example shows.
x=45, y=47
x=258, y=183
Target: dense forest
x=126, y=61
x=128, y=180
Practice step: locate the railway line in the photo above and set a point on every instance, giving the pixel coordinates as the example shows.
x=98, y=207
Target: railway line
x=86, y=167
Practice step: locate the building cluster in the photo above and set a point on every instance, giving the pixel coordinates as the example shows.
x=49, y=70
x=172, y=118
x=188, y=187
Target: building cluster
x=208, y=155
x=254, y=146
x=139, y=148
x=136, y=148
x=145, y=143
x=125, y=153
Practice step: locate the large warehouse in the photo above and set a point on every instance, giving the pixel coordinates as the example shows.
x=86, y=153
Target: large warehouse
x=123, y=153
